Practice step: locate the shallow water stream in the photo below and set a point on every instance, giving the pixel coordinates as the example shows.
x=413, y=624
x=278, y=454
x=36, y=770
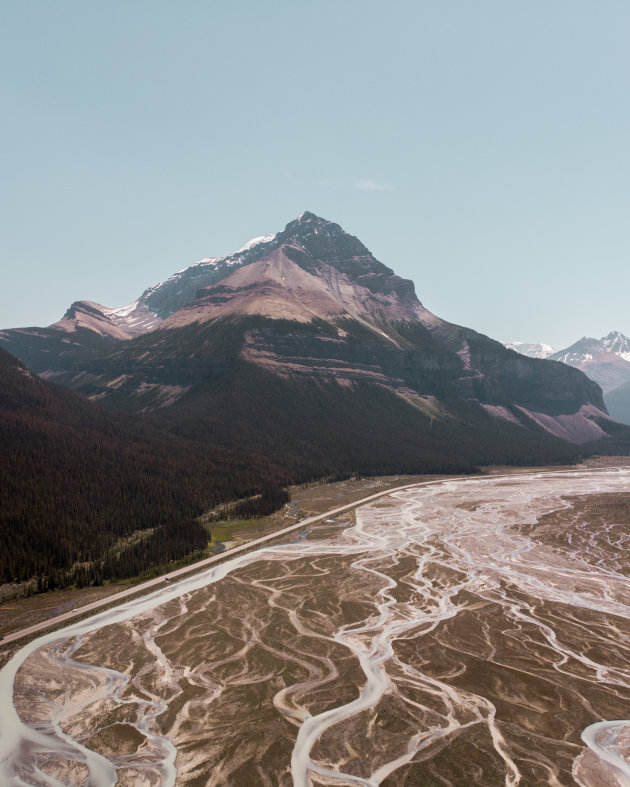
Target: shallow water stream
x=443, y=640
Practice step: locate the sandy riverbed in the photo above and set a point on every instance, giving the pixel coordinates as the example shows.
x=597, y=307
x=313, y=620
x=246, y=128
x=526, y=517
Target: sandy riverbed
x=452, y=636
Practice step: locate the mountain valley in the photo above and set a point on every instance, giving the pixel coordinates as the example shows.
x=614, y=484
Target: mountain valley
x=298, y=357
x=417, y=639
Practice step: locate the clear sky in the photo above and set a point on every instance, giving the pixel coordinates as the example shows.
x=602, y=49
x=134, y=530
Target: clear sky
x=480, y=148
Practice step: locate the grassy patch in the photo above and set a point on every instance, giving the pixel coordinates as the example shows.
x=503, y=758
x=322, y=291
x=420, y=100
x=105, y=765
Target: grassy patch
x=243, y=529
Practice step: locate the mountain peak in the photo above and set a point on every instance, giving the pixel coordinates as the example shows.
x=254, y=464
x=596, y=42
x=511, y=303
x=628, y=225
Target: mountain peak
x=606, y=360
x=310, y=222
x=618, y=344
x=319, y=247
x=321, y=238
x=615, y=337
x=309, y=216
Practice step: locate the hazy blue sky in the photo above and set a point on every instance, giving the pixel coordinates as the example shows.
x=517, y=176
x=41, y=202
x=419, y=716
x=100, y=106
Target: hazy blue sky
x=480, y=148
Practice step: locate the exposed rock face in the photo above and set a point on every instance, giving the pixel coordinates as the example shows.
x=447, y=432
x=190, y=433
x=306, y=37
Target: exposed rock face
x=93, y=317
x=309, y=241
x=179, y=289
x=311, y=303
x=338, y=276
x=326, y=242
x=289, y=283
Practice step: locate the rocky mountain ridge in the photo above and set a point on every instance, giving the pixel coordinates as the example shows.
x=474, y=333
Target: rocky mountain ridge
x=311, y=306
x=605, y=360
x=316, y=246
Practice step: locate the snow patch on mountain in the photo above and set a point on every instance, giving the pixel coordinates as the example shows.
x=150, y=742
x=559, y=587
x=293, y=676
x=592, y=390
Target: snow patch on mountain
x=605, y=360
x=618, y=344
x=135, y=318
x=255, y=242
x=531, y=349
x=122, y=311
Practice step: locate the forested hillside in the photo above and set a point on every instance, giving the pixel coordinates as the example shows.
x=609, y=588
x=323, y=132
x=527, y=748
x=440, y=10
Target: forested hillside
x=88, y=494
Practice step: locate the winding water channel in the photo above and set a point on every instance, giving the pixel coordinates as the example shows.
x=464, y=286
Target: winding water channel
x=458, y=633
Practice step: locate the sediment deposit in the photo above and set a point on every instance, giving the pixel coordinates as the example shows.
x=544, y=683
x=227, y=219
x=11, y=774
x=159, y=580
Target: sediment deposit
x=467, y=632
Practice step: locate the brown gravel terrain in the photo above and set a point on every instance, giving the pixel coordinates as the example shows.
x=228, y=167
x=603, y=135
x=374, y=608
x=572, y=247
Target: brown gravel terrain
x=470, y=632
x=18, y=613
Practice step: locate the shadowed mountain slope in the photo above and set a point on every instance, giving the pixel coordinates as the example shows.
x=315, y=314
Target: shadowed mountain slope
x=82, y=485
x=618, y=403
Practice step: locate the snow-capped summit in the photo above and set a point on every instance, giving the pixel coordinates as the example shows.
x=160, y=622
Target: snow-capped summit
x=615, y=342
x=179, y=289
x=531, y=349
x=158, y=301
x=605, y=360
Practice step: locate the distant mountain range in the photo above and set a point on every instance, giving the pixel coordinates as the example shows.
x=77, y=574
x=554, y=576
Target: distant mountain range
x=605, y=360
x=531, y=349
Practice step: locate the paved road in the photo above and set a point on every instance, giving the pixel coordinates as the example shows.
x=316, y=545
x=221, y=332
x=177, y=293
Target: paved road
x=180, y=572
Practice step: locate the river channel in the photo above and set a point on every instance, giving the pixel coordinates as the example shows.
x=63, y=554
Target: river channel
x=463, y=632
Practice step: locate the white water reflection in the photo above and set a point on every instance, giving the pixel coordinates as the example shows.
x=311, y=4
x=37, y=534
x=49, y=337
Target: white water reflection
x=461, y=540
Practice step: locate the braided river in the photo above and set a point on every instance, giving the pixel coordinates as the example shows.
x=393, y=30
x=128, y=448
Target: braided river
x=464, y=632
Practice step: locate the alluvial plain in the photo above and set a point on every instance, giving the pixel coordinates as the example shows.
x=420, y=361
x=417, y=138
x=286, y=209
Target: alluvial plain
x=464, y=632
